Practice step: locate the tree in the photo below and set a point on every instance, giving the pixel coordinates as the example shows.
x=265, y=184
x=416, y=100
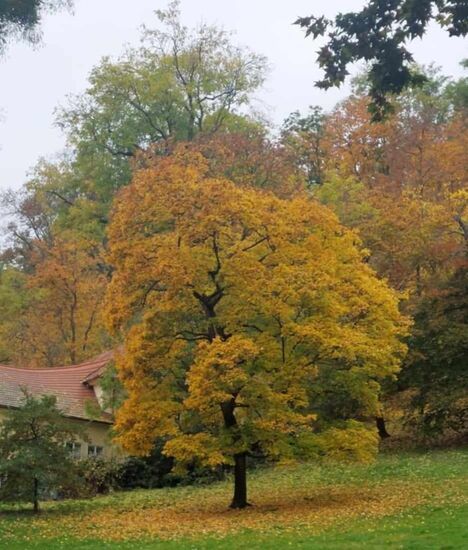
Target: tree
x=14, y=301
x=248, y=159
x=400, y=182
x=33, y=450
x=64, y=320
x=305, y=136
x=378, y=35
x=436, y=366
x=53, y=309
x=180, y=83
x=244, y=333
x=53, y=275
x=22, y=18
x=458, y=91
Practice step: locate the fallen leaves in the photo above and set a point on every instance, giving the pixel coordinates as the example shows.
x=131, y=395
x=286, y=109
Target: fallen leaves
x=292, y=503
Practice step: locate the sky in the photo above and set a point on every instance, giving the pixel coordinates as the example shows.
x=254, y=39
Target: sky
x=34, y=81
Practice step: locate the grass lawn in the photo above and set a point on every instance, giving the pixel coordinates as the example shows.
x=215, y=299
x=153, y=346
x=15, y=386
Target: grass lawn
x=411, y=501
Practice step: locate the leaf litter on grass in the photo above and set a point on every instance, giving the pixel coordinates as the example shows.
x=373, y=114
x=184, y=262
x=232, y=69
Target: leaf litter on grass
x=204, y=513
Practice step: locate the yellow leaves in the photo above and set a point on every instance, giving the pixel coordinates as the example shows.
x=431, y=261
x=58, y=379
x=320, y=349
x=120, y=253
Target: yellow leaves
x=202, y=446
x=230, y=295
x=459, y=202
x=352, y=443
x=220, y=370
x=143, y=419
x=63, y=321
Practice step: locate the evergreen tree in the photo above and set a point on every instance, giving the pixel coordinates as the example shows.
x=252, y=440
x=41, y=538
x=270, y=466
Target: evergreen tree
x=34, y=455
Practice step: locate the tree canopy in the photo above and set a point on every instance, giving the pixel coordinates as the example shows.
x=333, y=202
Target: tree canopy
x=402, y=184
x=378, y=35
x=180, y=83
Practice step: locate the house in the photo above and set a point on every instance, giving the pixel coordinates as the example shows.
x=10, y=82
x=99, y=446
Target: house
x=79, y=396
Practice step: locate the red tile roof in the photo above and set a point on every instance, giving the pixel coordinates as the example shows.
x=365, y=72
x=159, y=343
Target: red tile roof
x=68, y=384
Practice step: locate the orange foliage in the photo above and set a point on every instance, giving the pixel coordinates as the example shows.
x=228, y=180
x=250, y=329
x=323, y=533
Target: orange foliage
x=63, y=321
x=410, y=208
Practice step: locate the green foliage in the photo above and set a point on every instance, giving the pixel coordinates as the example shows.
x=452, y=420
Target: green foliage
x=437, y=365
x=346, y=196
x=98, y=476
x=378, y=34
x=34, y=458
x=180, y=83
x=304, y=136
x=457, y=91
x=13, y=300
x=148, y=472
x=155, y=470
x=112, y=388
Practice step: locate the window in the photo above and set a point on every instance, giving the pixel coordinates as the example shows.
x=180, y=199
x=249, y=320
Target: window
x=94, y=450
x=74, y=449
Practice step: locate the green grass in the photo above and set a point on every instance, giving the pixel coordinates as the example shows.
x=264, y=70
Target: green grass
x=409, y=501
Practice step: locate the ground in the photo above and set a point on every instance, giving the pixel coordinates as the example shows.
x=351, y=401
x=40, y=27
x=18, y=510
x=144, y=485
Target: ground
x=410, y=501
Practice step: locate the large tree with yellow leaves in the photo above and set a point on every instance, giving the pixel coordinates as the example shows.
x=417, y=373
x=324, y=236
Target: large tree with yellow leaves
x=252, y=323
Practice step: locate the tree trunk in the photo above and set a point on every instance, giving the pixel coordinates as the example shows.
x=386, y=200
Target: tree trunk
x=382, y=429
x=239, y=499
x=36, y=496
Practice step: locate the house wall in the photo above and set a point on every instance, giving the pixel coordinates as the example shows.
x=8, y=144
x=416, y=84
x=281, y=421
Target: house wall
x=98, y=434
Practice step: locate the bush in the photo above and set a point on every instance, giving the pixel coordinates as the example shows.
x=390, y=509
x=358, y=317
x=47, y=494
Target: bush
x=155, y=471
x=97, y=476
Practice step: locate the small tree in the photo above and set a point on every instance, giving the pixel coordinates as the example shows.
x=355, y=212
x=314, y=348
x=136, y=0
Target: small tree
x=33, y=451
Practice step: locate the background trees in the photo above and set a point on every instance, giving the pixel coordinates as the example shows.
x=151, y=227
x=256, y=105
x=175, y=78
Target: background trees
x=436, y=368
x=402, y=183
x=52, y=279
x=188, y=93
x=182, y=84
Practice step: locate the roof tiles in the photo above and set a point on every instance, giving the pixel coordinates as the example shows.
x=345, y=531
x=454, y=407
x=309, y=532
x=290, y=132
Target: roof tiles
x=68, y=384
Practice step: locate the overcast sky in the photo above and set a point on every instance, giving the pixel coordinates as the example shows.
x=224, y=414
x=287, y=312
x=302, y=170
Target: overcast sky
x=35, y=81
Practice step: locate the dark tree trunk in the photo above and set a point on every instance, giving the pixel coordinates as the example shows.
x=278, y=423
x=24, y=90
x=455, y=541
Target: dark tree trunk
x=239, y=499
x=382, y=429
x=36, y=495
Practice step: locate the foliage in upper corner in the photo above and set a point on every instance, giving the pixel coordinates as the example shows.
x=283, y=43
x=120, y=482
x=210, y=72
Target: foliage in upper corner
x=378, y=34
x=22, y=19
